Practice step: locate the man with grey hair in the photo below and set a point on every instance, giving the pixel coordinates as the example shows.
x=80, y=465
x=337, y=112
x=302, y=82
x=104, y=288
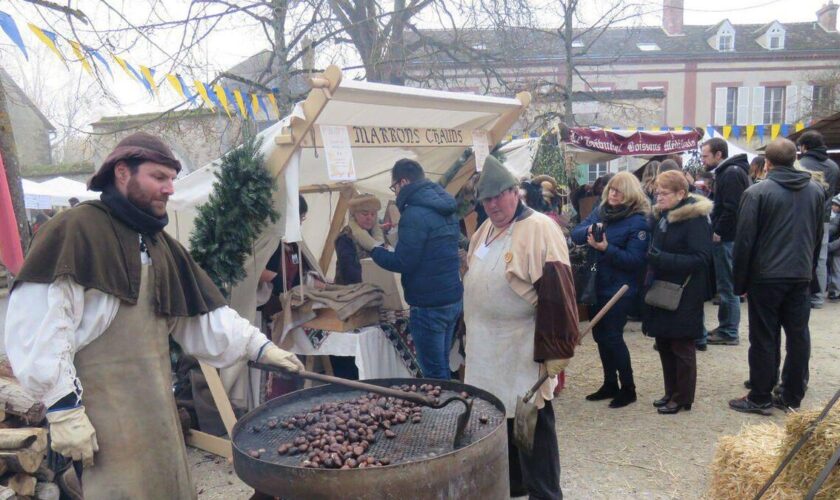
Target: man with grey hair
x=779, y=233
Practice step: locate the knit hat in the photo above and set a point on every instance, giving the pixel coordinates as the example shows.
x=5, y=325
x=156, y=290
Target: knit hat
x=137, y=146
x=362, y=202
x=494, y=179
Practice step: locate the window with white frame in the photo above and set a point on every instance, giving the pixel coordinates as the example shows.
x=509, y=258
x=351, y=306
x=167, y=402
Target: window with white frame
x=821, y=99
x=774, y=98
x=731, y=105
x=726, y=42
x=597, y=170
x=775, y=42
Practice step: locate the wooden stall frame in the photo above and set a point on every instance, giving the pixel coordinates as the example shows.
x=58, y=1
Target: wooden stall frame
x=289, y=141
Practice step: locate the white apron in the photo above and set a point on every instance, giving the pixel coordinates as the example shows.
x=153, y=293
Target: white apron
x=500, y=330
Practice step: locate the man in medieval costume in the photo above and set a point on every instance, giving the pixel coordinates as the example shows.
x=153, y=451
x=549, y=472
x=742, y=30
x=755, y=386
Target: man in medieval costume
x=361, y=234
x=521, y=319
x=101, y=290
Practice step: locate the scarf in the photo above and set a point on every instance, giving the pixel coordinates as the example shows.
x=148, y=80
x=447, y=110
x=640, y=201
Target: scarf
x=819, y=154
x=130, y=214
x=611, y=213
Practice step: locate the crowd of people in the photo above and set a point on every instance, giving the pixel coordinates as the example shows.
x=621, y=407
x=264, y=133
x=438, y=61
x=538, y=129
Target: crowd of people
x=766, y=229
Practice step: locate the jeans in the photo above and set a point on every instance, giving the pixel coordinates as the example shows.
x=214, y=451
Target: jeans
x=834, y=279
x=432, y=329
x=729, y=312
x=822, y=270
x=703, y=340
x=609, y=335
x=773, y=306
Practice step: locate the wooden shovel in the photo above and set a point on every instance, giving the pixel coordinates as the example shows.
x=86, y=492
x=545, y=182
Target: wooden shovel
x=525, y=418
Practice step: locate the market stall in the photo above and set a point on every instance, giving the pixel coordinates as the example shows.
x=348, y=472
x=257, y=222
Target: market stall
x=362, y=128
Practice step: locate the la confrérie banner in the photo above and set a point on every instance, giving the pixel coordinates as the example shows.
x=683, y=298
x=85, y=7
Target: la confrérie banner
x=637, y=143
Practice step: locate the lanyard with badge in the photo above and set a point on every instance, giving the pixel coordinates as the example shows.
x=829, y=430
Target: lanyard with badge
x=482, y=250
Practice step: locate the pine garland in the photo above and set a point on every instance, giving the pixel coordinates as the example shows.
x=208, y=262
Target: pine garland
x=238, y=209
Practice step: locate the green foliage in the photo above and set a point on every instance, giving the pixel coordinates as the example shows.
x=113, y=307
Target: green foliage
x=550, y=160
x=237, y=211
x=450, y=173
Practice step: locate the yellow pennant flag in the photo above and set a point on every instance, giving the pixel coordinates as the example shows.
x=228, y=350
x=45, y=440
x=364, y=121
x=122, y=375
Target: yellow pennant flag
x=655, y=129
x=202, y=91
x=122, y=65
x=220, y=94
x=173, y=80
x=273, y=102
x=774, y=130
x=799, y=126
x=255, y=106
x=240, y=103
x=727, y=131
x=147, y=75
x=77, y=50
x=750, y=132
x=49, y=41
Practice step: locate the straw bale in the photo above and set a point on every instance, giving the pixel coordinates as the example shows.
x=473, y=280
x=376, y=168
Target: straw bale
x=744, y=462
x=812, y=457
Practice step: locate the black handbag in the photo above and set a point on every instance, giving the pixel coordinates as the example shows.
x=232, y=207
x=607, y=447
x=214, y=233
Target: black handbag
x=586, y=275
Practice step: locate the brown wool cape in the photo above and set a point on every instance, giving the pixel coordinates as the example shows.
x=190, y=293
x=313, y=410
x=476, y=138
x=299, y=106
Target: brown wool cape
x=97, y=250
x=538, y=270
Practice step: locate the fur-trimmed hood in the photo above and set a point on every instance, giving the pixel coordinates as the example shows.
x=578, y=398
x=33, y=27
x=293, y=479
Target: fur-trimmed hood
x=693, y=206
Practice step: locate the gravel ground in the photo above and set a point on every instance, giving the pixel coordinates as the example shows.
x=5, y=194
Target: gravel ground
x=633, y=452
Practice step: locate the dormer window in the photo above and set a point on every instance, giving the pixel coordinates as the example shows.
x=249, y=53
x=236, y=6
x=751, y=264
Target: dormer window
x=726, y=42
x=771, y=36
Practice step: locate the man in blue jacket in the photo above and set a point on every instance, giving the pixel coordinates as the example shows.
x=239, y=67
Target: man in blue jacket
x=427, y=257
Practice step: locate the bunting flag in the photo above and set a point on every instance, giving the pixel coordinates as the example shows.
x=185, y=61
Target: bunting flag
x=654, y=129
x=774, y=130
x=186, y=89
x=202, y=91
x=77, y=51
x=231, y=100
x=216, y=102
x=759, y=131
x=799, y=126
x=223, y=100
x=727, y=131
x=264, y=107
x=94, y=53
x=750, y=132
x=130, y=71
x=49, y=39
x=240, y=103
x=149, y=77
x=7, y=24
x=710, y=130
x=255, y=107
x=785, y=129
x=176, y=84
x=273, y=101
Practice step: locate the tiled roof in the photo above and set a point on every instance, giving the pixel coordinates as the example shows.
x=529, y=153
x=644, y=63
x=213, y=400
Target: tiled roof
x=621, y=43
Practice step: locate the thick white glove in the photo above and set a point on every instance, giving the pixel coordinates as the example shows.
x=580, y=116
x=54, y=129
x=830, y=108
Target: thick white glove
x=555, y=366
x=72, y=435
x=273, y=355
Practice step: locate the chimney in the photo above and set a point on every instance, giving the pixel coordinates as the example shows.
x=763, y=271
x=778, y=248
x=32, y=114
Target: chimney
x=672, y=17
x=826, y=16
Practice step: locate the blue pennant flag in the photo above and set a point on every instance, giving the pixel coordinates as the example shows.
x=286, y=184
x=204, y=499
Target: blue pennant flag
x=736, y=131
x=665, y=129
x=213, y=97
x=231, y=100
x=710, y=130
x=190, y=95
x=759, y=131
x=785, y=129
x=9, y=26
x=263, y=107
x=94, y=53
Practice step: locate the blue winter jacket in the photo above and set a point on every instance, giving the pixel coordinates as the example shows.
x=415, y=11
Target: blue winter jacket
x=427, y=251
x=627, y=246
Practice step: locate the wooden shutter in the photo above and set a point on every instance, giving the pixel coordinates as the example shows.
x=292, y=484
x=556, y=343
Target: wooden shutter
x=791, y=106
x=743, y=116
x=720, y=106
x=758, y=105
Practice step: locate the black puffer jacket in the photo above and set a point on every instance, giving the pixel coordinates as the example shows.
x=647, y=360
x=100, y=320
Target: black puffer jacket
x=780, y=229
x=732, y=177
x=817, y=160
x=682, y=247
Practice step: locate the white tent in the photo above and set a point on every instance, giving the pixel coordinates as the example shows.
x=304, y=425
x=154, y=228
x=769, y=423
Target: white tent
x=385, y=123
x=55, y=192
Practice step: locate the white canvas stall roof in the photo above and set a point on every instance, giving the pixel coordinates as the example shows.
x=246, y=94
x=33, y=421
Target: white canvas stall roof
x=59, y=190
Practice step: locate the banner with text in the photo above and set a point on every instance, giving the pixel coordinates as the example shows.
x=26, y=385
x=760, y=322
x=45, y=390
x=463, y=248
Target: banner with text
x=637, y=144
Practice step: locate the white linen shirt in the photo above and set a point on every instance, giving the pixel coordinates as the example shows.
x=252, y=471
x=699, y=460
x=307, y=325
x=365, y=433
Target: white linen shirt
x=46, y=324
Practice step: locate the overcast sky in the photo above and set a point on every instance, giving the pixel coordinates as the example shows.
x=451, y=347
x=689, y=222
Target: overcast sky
x=229, y=44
